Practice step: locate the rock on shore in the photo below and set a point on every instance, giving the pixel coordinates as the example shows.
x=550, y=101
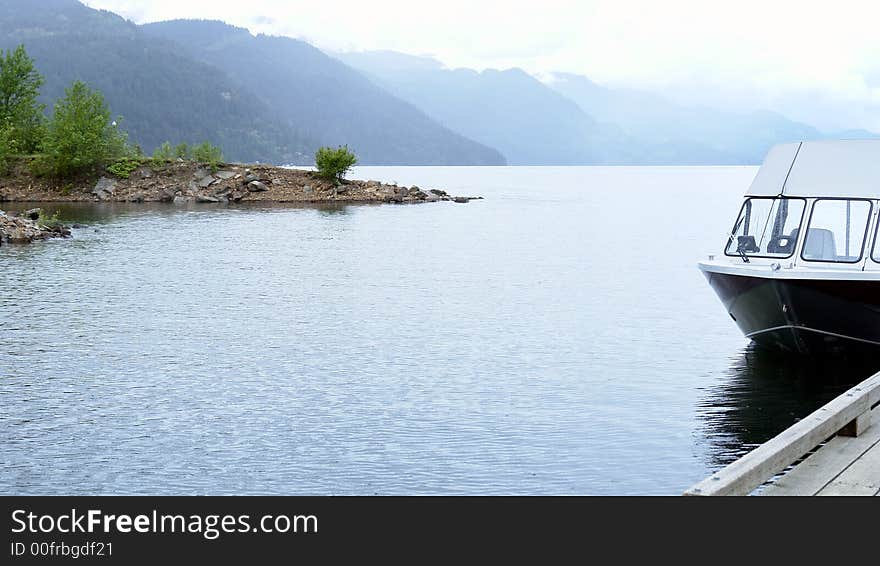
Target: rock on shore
x=26, y=228
x=186, y=182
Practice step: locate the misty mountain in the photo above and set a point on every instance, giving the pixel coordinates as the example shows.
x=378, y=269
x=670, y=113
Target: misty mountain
x=321, y=95
x=509, y=110
x=276, y=99
x=160, y=93
x=531, y=123
x=572, y=120
x=726, y=137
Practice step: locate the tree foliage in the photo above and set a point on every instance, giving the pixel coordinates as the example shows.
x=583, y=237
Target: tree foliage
x=181, y=151
x=207, y=153
x=163, y=153
x=19, y=88
x=7, y=147
x=333, y=164
x=163, y=91
x=80, y=135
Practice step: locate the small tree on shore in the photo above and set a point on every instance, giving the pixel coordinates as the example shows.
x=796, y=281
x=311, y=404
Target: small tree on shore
x=207, y=153
x=163, y=153
x=181, y=151
x=80, y=135
x=333, y=164
x=19, y=109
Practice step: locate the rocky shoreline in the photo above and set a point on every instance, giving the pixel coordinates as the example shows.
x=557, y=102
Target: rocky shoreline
x=26, y=228
x=187, y=182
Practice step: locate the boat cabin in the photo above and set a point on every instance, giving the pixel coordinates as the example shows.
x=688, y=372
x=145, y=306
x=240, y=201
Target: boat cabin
x=812, y=204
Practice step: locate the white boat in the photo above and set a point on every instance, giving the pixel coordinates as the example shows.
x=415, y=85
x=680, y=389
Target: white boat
x=800, y=269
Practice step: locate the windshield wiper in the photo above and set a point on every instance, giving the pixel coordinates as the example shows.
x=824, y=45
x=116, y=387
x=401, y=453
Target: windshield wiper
x=739, y=248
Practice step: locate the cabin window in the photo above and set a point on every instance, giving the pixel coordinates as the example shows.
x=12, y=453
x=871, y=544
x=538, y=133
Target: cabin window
x=837, y=230
x=766, y=227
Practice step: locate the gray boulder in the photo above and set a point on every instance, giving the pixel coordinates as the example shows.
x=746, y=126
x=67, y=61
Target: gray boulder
x=207, y=181
x=104, y=188
x=257, y=187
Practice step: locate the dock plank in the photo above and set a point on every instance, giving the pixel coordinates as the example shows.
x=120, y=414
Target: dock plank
x=748, y=473
x=861, y=478
x=822, y=467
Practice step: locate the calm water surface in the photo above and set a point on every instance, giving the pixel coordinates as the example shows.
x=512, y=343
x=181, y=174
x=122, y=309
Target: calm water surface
x=555, y=338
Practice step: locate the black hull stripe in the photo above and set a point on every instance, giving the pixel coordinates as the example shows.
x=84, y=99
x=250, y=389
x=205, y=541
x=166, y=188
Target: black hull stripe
x=793, y=327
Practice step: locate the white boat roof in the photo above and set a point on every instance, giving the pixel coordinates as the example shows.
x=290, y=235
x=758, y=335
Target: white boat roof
x=840, y=168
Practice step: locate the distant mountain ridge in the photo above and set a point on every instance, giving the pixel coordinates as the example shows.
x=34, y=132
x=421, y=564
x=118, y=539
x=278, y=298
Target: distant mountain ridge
x=160, y=93
x=510, y=110
x=277, y=99
x=734, y=138
x=609, y=126
x=325, y=97
x=267, y=99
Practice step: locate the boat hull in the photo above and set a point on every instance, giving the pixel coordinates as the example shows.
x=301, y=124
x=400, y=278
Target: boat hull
x=806, y=316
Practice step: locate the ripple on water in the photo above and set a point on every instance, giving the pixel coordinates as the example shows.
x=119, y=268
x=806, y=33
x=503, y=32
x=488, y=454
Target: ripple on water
x=540, y=341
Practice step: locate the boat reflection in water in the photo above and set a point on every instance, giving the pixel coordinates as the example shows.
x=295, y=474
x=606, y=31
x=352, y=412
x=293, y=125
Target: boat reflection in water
x=766, y=392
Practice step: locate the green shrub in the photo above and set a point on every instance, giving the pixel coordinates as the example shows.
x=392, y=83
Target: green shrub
x=207, y=154
x=47, y=221
x=80, y=136
x=124, y=167
x=181, y=151
x=163, y=153
x=333, y=164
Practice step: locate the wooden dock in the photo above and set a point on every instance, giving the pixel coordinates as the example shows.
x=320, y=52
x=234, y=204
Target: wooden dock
x=833, y=451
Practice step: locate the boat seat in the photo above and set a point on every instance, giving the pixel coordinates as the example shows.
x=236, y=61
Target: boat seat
x=747, y=244
x=819, y=245
x=783, y=244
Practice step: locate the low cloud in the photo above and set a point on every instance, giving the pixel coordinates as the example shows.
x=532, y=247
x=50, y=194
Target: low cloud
x=750, y=51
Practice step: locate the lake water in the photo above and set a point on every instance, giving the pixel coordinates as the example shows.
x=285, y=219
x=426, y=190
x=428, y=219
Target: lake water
x=554, y=338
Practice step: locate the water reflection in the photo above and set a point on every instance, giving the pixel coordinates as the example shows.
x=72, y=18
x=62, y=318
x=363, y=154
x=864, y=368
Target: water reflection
x=765, y=392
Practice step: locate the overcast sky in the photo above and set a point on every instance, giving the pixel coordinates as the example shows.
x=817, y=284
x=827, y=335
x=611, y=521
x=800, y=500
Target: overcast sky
x=792, y=55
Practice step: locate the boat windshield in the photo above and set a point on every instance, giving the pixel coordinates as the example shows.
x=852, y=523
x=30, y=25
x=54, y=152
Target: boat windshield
x=837, y=230
x=766, y=227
